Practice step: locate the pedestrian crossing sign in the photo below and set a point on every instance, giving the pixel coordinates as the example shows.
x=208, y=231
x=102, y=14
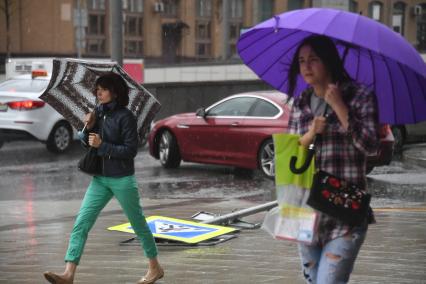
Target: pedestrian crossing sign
x=178, y=229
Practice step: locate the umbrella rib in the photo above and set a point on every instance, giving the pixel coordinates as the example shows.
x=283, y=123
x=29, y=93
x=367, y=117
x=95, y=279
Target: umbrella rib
x=418, y=81
x=357, y=66
x=279, y=58
x=269, y=46
x=261, y=38
x=374, y=68
x=408, y=87
x=392, y=87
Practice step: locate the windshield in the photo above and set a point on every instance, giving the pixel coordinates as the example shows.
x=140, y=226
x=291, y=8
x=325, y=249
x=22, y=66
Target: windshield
x=24, y=86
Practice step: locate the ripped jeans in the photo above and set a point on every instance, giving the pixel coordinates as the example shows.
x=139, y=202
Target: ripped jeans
x=332, y=263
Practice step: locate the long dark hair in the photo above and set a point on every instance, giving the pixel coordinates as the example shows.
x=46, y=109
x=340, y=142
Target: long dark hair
x=116, y=85
x=326, y=50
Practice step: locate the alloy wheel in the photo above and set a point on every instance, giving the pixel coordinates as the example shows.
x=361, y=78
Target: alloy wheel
x=62, y=138
x=267, y=162
x=164, y=147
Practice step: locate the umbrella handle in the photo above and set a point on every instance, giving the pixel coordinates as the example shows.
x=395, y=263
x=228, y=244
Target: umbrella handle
x=309, y=157
x=305, y=165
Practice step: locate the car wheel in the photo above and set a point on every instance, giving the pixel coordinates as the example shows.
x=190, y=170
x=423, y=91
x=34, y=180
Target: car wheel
x=59, y=138
x=1, y=143
x=398, y=134
x=266, y=158
x=168, y=150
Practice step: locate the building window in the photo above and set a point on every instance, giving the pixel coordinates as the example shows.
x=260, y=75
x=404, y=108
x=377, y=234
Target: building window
x=204, y=8
x=266, y=9
x=135, y=6
x=353, y=6
x=398, y=17
x=235, y=24
x=375, y=11
x=96, y=30
x=133, y=28
x=421, y=29
x=203, y=29
x=236, y=7
x=96, y=24
x=171, y=8
x=203, y=40
x=95, y=46
x=295, y=4
x=96, y=4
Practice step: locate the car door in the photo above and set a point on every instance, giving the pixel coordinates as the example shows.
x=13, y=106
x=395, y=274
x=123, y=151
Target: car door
x=264, y=119
x=217, y=137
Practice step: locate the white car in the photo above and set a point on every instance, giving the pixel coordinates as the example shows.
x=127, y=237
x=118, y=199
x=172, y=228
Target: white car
x=23, y=115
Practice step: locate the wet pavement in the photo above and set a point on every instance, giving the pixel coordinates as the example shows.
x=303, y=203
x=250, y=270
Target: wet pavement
x=40, y=194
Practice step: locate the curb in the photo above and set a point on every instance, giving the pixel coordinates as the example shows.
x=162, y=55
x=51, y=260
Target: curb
x=414, y=159
x=403, y=192
x=415, y=154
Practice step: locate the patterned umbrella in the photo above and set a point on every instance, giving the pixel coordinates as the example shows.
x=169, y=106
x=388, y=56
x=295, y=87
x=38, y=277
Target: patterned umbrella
x=70, y=92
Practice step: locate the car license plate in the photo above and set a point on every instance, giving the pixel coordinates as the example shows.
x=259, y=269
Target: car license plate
x=3, y=107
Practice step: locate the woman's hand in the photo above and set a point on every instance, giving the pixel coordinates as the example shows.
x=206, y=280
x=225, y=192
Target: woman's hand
x=95, y=140
x=89, y=119
x=318, y=125
x=333, y=96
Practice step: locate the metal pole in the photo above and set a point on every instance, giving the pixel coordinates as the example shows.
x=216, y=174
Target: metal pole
x=116, y=40
x=242, y=213
x=225, y=29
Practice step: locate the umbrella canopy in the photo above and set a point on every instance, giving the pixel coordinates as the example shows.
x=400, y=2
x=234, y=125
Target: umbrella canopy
x=70, y=92
x=373, y=55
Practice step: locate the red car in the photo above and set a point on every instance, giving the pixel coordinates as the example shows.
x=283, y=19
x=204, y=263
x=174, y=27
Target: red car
x=236, y=131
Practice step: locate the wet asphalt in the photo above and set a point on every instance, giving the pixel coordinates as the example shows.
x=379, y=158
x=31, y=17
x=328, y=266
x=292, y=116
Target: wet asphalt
x=40, y=194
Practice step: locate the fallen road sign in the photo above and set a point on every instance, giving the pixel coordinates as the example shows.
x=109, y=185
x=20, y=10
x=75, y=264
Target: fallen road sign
x=178, y=230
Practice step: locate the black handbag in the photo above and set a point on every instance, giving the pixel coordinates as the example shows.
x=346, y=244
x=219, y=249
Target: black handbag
x=339, y=198
x=90, y=163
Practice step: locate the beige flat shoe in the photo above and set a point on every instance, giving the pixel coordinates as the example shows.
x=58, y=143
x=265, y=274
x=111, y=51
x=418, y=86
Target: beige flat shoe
x=152, y=280
x=56, y=279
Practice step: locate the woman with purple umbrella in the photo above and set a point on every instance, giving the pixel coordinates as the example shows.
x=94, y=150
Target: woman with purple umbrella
x=113, y=132
x=345, y=114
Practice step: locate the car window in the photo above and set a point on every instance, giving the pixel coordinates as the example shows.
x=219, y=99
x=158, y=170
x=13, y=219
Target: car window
x=20, y=86
x=264, y=108
x=233, y=107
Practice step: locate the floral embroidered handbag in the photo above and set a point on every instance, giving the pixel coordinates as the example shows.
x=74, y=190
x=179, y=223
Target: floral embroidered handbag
x=339, y=198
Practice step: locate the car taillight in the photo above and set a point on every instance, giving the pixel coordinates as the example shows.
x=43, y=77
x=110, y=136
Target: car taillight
x=384, y=130
x=26, y=105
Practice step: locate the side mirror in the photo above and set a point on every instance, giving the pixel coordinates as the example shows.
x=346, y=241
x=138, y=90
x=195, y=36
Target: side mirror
x=201, y=112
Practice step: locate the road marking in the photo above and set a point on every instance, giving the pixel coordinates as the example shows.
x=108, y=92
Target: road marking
x=402, y=209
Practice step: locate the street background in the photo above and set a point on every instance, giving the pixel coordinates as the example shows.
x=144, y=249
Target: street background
x=40, y=194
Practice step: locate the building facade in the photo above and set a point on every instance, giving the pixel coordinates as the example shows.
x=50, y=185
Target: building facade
x=169, y=31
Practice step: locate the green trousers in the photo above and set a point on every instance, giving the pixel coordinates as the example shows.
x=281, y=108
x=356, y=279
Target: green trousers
x=98, y=194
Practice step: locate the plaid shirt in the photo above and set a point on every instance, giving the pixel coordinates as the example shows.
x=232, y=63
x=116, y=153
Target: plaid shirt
x=341, y=152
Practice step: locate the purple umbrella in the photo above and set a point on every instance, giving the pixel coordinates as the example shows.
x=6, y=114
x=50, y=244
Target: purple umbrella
x=373, y=54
